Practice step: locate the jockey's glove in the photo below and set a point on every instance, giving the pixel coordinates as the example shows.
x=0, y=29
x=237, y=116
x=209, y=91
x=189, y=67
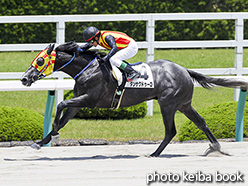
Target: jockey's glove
x=86, y=46
x=105, y=58
x=101, y=60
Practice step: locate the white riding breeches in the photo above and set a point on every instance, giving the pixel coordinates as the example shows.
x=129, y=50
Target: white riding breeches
x=124, y=54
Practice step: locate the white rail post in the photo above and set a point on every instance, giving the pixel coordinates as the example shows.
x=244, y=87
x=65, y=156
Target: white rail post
x=238, y=64
x=60, y=32
x=59, y=93
x=60, y=38
x=150, y=38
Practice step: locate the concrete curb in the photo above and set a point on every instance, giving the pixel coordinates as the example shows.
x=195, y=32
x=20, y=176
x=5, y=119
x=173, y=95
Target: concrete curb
x=87, y=142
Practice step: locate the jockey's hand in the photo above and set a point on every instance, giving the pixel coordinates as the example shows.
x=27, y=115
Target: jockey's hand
x=79, y=51
x=102, y=60
x=105, y=59
x=83, y=48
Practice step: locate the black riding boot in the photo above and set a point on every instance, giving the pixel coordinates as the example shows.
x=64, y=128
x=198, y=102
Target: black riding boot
x=131, y=73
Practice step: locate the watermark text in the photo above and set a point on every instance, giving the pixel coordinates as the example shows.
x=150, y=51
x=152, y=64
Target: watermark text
x=198, y=176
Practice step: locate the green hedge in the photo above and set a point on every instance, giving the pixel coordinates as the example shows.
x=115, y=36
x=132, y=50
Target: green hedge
x=165, y=30
x=137, y=111
x=221, y=120
x=19, y=124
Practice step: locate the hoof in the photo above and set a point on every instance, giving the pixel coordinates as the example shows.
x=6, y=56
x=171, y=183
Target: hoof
x=209, y=151
x=153, y=155
x=148, y=156
x=55, y=138
x=215, y=147
x=35, y=146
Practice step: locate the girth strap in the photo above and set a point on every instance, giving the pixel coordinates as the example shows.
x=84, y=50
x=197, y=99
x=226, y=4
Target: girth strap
x=119, y=93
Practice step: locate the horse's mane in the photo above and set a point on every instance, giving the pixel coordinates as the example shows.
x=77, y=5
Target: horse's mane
x=71, y=48
x=68, y=48
x=95, y=53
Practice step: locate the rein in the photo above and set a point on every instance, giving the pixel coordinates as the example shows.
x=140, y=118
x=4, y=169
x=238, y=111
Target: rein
x=85, y=68
x=66, y=63
x=43, y=75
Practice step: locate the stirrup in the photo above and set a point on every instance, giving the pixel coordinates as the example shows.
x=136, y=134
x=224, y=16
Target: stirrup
x=133, y=75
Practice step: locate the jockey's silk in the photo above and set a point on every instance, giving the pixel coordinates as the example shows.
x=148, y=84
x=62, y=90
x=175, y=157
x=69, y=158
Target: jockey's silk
x=122, y=40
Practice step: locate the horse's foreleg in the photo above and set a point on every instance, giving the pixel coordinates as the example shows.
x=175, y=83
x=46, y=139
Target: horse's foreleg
x=170, y=129
x=54, y=131
x=73, y=106
x=44, y=141
x=70, y=113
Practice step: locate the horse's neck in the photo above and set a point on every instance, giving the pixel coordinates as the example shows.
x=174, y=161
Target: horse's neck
x=77, y=64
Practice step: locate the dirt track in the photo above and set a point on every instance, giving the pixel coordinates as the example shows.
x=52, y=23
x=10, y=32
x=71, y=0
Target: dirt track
x=123, y=165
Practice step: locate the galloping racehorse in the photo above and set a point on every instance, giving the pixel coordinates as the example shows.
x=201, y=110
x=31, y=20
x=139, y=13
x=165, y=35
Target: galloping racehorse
x=95, y=87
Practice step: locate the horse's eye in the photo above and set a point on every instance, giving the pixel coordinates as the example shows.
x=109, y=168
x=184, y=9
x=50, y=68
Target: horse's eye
x=40, y=61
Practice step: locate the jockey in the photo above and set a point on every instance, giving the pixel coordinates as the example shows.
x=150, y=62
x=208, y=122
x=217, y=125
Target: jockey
x=121, y=46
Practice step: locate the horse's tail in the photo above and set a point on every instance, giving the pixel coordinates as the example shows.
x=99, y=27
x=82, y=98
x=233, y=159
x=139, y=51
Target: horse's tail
x=208, y=82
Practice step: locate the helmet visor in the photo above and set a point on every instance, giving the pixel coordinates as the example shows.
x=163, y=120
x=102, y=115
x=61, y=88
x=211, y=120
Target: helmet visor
x=92, y=39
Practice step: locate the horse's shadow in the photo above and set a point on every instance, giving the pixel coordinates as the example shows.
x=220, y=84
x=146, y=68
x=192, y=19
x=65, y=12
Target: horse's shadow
x=97, y=157
x=173, y=155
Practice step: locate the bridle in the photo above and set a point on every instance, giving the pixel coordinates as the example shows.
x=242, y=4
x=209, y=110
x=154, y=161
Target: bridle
x=41, y=75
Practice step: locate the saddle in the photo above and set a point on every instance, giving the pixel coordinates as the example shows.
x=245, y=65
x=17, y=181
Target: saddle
x=121, y=78
x=144, y=81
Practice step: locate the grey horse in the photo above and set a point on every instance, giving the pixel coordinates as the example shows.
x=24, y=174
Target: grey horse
x=95, y=87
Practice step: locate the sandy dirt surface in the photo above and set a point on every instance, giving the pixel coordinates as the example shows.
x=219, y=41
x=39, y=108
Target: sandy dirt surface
x=117, y=165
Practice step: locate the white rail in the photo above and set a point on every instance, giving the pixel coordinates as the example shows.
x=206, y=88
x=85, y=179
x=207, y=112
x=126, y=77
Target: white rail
x=150, y=44
x=66, y=84
x=16, y=85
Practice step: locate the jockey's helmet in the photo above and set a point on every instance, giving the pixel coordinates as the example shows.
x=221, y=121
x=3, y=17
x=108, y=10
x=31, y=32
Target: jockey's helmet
x=90, y=33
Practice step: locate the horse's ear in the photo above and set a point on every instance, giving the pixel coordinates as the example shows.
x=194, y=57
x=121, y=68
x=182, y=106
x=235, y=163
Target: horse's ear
x=50, y=49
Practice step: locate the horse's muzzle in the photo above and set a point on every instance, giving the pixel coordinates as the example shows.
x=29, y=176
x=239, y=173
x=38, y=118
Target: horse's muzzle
x=25, y=81
x=30, y=76
x=28, y=81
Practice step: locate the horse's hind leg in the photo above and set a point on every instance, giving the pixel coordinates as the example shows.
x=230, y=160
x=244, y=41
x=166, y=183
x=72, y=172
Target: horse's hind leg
x=199, y=121
x=168, y=115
